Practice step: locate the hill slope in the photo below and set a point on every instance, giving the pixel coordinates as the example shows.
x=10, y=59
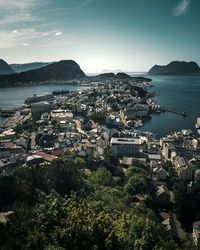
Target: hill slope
x=5, y=68
x=176, y=68
x=63, y=70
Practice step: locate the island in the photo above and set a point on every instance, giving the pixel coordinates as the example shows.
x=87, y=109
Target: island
x=176, y=68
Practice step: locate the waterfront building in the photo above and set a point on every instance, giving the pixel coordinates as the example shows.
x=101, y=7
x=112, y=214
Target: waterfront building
x=138, y=110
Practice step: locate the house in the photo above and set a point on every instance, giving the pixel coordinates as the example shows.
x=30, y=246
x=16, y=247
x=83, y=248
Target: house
x=169, y=224
x=183, y=169
x=8, y=148
x=168, y=149
x=197, y=175
x=34, y=159
x=4, y=217
x=162, y=195
x=57, y=152
x=160, y=173
x=154, y=157
x=45, y=117
x=114, y=120
x=7, y=134
x=46, y=157
x=61, y=115
x=196, y=233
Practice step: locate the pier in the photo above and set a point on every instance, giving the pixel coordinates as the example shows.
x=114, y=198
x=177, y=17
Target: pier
x=174, y=112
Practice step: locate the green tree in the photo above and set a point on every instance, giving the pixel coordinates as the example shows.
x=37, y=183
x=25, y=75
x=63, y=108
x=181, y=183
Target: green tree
x=110, y=156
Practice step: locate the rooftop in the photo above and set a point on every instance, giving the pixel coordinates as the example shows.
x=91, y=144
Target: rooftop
x=129, y=141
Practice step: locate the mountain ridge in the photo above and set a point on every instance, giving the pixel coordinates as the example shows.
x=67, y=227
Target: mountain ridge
x=62, y=70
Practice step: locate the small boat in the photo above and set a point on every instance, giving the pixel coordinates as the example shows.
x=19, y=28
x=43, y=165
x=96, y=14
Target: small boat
x=197, y=125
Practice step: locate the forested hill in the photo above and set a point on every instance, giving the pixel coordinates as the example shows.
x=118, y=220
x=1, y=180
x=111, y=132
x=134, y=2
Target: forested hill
x=65, y=70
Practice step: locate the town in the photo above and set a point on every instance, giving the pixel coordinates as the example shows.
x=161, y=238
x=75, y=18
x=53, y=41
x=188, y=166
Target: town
x=109, y=113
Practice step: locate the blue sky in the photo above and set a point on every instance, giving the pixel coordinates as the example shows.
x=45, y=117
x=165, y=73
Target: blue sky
x=129, y=35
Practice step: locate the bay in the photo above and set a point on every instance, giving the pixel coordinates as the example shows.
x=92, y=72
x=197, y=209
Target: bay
x=178, y=93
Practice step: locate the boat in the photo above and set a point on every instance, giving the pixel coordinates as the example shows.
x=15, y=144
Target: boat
x=197, y=125
x=38, y=98
x=60, y=92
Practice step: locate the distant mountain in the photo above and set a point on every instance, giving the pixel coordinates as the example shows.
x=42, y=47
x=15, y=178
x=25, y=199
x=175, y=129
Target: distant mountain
x=120, y=75
x=5, y=68
x=106, y=75
x=63, y=70
x=28, y=66
x=176, y=68
x=123, y=76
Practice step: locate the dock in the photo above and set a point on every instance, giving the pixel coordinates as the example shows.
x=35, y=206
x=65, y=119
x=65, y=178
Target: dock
x=175, y=112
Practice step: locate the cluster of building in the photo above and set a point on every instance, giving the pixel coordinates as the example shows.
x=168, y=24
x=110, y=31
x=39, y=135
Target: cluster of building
x=87, y=121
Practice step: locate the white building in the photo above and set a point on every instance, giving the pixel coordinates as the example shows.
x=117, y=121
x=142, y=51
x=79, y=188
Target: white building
x=129, y=147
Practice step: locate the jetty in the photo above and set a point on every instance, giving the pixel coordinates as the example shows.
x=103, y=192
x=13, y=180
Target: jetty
x=174, y=112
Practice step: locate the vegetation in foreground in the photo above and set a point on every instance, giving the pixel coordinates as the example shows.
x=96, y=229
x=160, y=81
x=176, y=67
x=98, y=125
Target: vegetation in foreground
x=73, y=204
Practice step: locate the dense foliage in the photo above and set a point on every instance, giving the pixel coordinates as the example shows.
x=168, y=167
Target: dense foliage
x=66, y=205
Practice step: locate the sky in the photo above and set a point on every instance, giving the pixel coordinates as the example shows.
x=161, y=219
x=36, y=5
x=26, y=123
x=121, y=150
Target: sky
x=127, y=35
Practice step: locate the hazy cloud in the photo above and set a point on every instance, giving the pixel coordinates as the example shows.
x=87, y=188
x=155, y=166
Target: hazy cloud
x=17, y=38
x=181, y=8
x=16, y=11
x=17, y=4
x=58, y=33
x=32, y=37
x=26, y=44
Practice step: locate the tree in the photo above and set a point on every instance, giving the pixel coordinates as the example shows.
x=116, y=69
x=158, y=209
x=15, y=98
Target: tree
x=137, y=184
x=102, y=177
x=110, y=156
